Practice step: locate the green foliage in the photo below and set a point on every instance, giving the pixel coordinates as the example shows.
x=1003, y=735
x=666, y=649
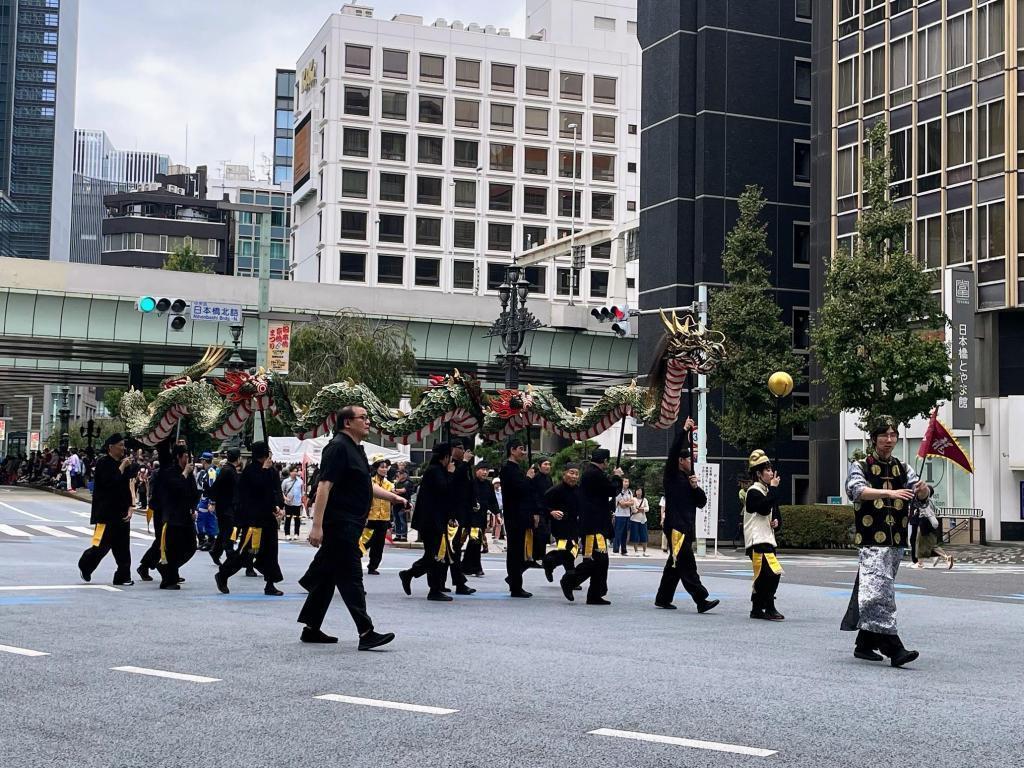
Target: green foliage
x=571, y=454
x=879, y=335
x=105, y=427
x=491, y=454
x=816, y=526
x=185, y=259
x=351, y=346
x=757, y=342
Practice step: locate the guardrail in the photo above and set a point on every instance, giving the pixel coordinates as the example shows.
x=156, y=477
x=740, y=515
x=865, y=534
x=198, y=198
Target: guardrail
x=969, y=520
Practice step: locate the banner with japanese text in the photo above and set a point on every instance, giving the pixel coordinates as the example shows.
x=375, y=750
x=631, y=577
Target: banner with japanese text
x=279, y=341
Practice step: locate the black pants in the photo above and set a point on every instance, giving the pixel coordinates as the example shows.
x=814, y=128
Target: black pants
x=337, y=564
x=264, y=560
x=594, y=568
x=179, y=546
x=515, y=557
x=225, y=522
x=560, y=557
x=376, y=546
x=292, y=514
x=428, y=565
x=114, y=539
x=151, y=558
x=913, y=540
x=541, y=535
x=471, y=562
x=681, y=569
x=454, y=557
x=766, y=582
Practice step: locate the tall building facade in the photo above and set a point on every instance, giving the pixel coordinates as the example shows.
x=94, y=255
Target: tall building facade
x=38, y=50
x=284, y=106
x=726, y=104
x=97, y=158
x=427, y=156
x=254, y=200
x=946, y=77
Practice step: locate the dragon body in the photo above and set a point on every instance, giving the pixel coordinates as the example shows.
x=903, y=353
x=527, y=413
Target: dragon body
x=222, y=406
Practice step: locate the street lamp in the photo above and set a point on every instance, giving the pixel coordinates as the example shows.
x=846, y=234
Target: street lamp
x=780, y=384
x=64, y=414
x=89, y=433
x=235, y=361
x=513, y=323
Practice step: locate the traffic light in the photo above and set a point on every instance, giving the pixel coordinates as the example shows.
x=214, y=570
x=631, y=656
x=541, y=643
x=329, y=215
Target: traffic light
x=174, y=308
x=618, y=316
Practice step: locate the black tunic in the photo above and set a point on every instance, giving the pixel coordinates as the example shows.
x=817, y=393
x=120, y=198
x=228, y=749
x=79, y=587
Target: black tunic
x=225, y=490
x=433, y=506
x=486, y=502
x=259, y=495
x=596, y=493
x=566, y=499
x=179, y=496
x=681, y=501
x=461, y=493
x=883, y=522
x=517, y=496
x=112, y=495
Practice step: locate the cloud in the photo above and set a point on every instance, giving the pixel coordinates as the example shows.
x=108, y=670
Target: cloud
x=146, y=68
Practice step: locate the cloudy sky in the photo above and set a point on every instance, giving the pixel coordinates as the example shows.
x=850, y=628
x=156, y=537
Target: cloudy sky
x=148, y=67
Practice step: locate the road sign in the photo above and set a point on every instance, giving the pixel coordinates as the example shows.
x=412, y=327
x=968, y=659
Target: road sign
x=33, y=441
x=279, y=342
x=216, y=312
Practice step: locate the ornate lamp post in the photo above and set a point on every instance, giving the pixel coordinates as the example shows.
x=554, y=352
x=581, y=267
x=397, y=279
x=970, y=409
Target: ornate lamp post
x=513, y=323
x=89, y=432
x=64, y=414
x=235, y=362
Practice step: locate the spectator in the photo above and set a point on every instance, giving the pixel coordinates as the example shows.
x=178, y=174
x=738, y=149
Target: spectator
x=404, y=488
x=291, y=489
x=624, y=505
x=497, y=519
x=638, y=522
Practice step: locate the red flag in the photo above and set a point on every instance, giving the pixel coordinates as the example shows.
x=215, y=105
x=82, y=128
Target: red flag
x=939, y=442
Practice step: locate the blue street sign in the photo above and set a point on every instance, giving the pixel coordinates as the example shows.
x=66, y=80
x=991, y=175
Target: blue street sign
x=217, y=313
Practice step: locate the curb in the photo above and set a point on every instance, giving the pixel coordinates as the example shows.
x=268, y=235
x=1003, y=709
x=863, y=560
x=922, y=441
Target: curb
x=61, y=492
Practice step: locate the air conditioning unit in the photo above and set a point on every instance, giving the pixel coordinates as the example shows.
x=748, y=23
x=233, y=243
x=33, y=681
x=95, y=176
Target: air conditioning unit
x=458, y=25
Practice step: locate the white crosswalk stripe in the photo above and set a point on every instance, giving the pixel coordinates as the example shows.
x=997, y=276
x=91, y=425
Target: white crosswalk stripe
x=10, y=530
x=81, y=529
x=53, y=532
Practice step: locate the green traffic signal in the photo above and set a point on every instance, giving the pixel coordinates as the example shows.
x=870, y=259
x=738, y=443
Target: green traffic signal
x=147, y=304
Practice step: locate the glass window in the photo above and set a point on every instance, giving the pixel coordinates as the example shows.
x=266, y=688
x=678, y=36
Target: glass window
x=535, y=200
x=355, y=142
x=467, y=113
x=503, y=117
x=535, y=160
x=392, y=187
x=958, y=237
x=495, y=275
x=431, y=150
x=537, y=121
x=802, y=80
x=432, y=110
x=604, y=90
x=503, y=77
x=392, y=146
x=901, y=68
x=566, y=167
x=990, y=30
x=353, y=183
x=846, y=171
x=353, y=225
x=929, y=242
x=991, y=231
x=929, y=147
x=929, y=59
x=570, y=124
x=357, y=59
x=958, y=42
x=566, y=206
x=958, y=139
x=428, y=190
x=467, y=73
x=394, y=105
x=537, y=81
x=602, y=167
x=466, y=153
x=352, y=267
x=390, y=270
x=901, y=149
x=537, y=279
x=562, y=281
x=464, y=234
x=283, y=119
x=283, y=147
x=465, y=193
x=502, y=157
x=801, y=243
x=848, y=9
x=847, y=83
x=534, y=236
x=601, y=250
x=803, y=9
x=428, y=231
x=428, y=272
x=500, y=197
x=801, y=162
x=874, y=73
x=431, y=68
x=991, y=139
x=801, y=329
x=571, y=86
x=598, y=283
x=604, y=24
x=602, y=206
x=604, y=128
x=499, y=237
x=391, y=228
x=357, y=101
x=396, y=64
x=463, y=275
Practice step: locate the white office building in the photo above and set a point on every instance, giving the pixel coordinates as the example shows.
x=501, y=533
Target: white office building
x=97, y=158
x=429, y=154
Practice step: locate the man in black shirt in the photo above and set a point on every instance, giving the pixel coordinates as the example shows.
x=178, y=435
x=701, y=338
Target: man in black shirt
x=518, y=495
x=484, y=502
x=542, y=483
x=224, y=495
x=342, y=505
x=111, y=514
x=461, y=500
x=178, y=536
x=562, y=506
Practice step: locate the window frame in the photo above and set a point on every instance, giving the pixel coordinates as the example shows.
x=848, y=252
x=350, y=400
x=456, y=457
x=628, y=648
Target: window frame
x=429, y=77
x=358, y=69
x=497, y=66
x=394, y=74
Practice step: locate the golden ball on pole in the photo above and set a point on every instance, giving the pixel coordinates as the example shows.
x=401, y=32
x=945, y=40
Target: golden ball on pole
x=780, y=384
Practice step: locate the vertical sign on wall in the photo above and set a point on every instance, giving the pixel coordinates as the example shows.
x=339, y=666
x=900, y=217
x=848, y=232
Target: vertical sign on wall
x=279, y=341
x=961, y=290
x=33, y=441
x=707, y=518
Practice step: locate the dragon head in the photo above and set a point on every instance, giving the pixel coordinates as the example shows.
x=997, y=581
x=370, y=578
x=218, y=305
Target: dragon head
x=510, y=402
x=238, y=386
x=692, y=344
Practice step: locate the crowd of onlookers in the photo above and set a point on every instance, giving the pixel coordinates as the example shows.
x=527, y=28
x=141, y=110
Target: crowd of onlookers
x=70, y=470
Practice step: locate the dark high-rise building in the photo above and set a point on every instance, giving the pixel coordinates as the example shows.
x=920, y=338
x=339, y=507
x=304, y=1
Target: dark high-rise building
x=726, y=103
x=284, y=104
x=38, y=49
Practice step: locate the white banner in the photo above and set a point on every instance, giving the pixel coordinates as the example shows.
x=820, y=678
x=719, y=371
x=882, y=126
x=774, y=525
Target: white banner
x=707, y=518
x=279, y=341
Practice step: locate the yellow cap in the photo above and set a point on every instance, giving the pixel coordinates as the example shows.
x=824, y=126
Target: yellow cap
x=758, y=459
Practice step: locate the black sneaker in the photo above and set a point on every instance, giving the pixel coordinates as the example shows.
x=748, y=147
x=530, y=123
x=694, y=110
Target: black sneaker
x=598, y=601
x=439, y=597
x=310, y=635
x=85, y=576
x=406, y=578
x=143, y=573
x=374, y=640
x=867, y=654
x=903, y=656
x=222, y=583
x=521, y=593
x=271, y=590
x=124, y=583
x=462, y=589
x=251, y=573
x=707, y=605
x=567, y=588
x=773, y=615
x=757, y=613
x=666, y=606
x=170, y=586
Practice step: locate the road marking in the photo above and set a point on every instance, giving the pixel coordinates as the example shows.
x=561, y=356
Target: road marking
x=386, y=704
x=10, y=530
x=710, y=745
x=139, y=535
x=81, y=529
x=103, y=587
x=80, y=514
x=169, y=675
x=21, y=651
x=52, y=531
x=29, y=514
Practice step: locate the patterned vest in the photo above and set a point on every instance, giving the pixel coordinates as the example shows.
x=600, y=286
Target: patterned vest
x=883, y=522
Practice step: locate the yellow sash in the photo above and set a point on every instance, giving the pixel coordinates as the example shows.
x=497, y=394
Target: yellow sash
x=97, y=533
x=677, y=544
x=528, y=545
x=474, y=534
x=442, y=550
x=252, y=539
x=766, y=557
x=364, y=539
x=149, y=516
x=594, y=543
x=566, y=545
x=234, y=535
x=163, y=544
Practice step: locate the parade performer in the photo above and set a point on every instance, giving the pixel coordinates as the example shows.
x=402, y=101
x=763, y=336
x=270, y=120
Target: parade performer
x=519, y=509
x=542, y=483
x=562, y=504
x=379, y=519
x=460, y=509
x=760, y=521
x=259, y=495
x=882, y=487
x=683, y=496
x=484, y=503
x=206, y=518
x=343, y=498
x=224, y=495
x=596, y=493
x=111, y=514
x=178, y=535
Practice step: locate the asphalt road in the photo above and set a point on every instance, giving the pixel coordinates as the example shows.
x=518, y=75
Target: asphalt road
x=529, y=680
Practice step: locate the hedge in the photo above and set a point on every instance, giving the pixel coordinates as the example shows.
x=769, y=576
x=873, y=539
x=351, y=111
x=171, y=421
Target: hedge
x=816, y=526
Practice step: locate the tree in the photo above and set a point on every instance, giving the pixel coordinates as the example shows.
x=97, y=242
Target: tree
x=351, y=346
x=185, y=259
x=757, y=342
x=879, y=335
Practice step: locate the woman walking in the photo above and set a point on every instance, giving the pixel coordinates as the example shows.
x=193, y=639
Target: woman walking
x=638, y=522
